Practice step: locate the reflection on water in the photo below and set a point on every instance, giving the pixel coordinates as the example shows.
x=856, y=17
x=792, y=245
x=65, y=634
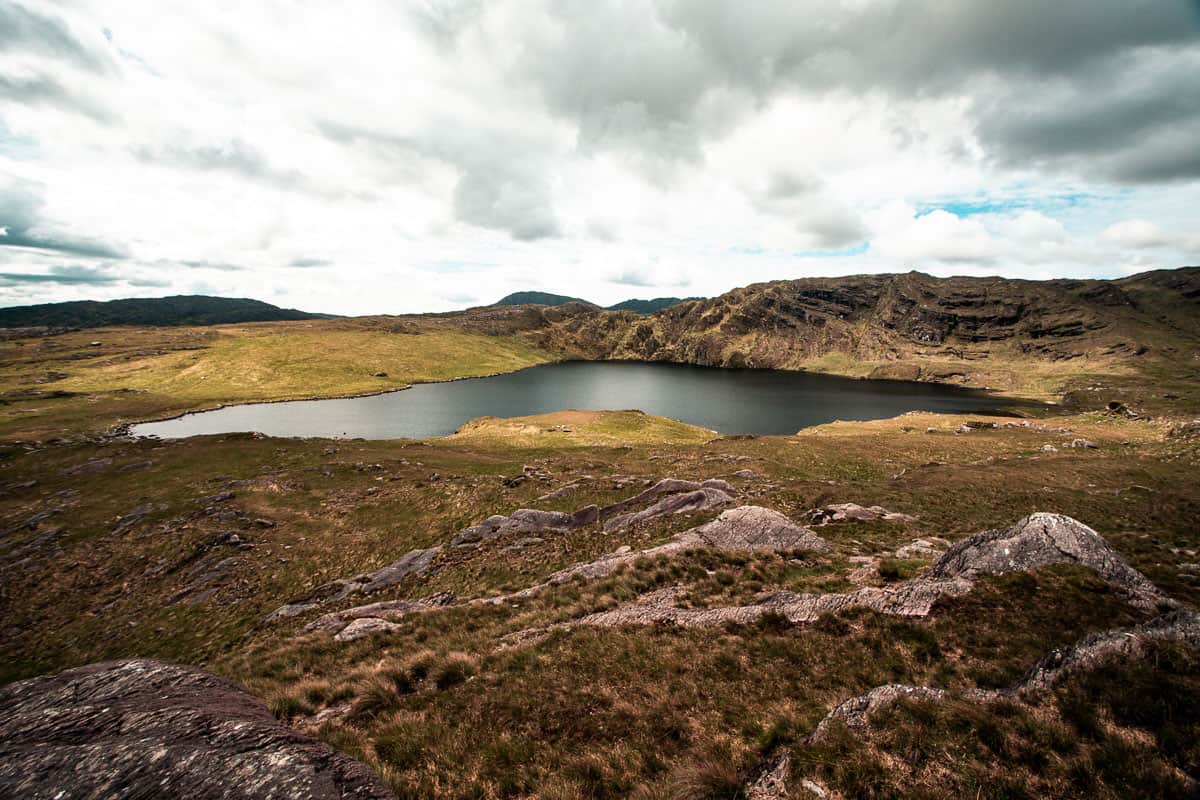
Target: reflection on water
x=724, y=400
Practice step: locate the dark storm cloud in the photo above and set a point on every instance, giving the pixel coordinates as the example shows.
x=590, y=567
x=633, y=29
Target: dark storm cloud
x=666, y=79
x=26, y=30
x=1144, y=130
x=20, y=206
x=502, y=182
x=70, y=275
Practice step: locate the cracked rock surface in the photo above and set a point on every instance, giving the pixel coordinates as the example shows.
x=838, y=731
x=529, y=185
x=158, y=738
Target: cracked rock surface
x=149, y=729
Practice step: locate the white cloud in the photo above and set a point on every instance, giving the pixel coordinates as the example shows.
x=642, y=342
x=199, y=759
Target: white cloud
x=597, y=149
x=1135, y=233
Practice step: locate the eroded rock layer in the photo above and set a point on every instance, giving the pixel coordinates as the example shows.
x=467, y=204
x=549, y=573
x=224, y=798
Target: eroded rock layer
x=143, y=729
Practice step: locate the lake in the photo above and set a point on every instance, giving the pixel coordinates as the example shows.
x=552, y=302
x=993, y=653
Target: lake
x=723, y=400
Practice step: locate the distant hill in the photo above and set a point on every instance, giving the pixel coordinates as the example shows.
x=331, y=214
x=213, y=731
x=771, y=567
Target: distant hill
x=650, y=306
x=539, y=298
x=163, y=311
x=547, y=299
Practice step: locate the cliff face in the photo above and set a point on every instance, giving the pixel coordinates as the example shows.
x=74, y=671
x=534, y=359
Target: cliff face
x=884, y=319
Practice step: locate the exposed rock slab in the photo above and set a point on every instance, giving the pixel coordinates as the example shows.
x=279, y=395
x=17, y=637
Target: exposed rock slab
x=852, y=512
x=666, y=486
x=1036, y=541
x=364, y=627
x=1040, y=540
x=389, y=610
x=699, y=500
x=742, y=529
x=524, y=520
x=148, y=729
x=414, y=562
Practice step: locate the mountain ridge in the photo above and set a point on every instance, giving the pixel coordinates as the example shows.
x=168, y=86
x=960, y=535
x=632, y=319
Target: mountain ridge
x=174, y=310
x=633, y=304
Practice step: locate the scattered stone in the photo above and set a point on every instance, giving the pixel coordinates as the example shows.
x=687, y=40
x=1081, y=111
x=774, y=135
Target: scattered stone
x=29, y=524
x=521, y=544
x=390, y=610
x=769, y=781
x=1184, y=429
x=919, y=548
x=851, y=512
x=560, y=492
x=379, y=374
x=144, y=728
x=213, y=499
x=514, y=481
x=361, y=628
x=813, y=788
x=745, y=473
x=131, y=519
x=88, y=467
x=1049, y=448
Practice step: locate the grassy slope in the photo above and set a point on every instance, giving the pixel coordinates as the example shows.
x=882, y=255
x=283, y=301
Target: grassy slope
x=443, y=709
x=138, y=373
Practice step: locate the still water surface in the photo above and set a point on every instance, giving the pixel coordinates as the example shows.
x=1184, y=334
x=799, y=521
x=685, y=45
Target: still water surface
x=724, y=400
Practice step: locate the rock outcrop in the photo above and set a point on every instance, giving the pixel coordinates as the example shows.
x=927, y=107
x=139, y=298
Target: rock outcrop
x=148, y=729
x=1038, y=540
x=388, y=610
x=1088, y=653
x=742, y=529
x=666, y=486
x=853, y=512
x=414, y=562
x=698, y=500
x=524, y=520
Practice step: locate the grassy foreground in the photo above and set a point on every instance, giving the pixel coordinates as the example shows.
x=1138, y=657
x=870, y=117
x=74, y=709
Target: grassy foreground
x=111, y=548
x=448, y=706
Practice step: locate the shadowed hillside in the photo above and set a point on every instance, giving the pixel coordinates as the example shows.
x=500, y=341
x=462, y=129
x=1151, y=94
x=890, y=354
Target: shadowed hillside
x=176, y=310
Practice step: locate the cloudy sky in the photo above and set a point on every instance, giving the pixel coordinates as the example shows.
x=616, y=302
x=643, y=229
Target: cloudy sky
x=384, y=157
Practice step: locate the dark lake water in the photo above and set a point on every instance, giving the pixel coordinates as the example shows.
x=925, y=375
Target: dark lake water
x=723, y=400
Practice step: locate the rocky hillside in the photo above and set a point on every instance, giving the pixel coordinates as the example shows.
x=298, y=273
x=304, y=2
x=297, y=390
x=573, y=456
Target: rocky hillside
x=891, y=322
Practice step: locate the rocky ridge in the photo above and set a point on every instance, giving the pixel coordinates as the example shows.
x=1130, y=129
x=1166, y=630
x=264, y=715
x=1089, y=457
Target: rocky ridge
x=1036, y=541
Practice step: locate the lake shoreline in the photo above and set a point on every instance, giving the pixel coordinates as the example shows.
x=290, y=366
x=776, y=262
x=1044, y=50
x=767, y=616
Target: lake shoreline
x=1001, y=405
